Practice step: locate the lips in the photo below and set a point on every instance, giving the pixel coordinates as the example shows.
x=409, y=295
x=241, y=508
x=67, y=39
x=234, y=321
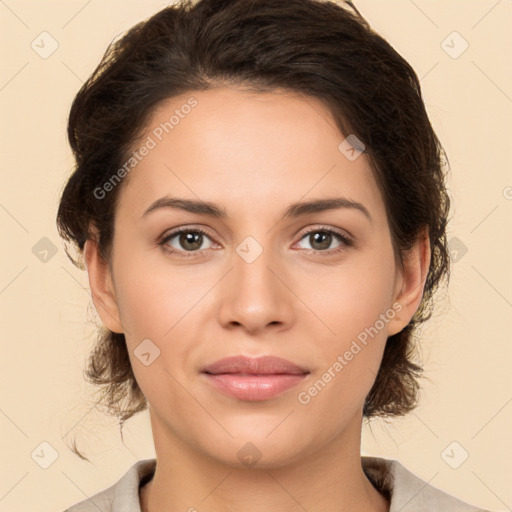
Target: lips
x=264, y=365
x=253, y=379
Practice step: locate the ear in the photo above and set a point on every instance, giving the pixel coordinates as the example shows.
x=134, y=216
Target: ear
x=411, y=283
x=102, y=287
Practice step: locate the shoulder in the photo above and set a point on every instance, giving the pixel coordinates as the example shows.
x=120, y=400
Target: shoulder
x=123, y=495
x=408, y=492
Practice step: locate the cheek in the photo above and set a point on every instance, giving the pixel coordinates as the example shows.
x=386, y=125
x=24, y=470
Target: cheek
x=356, y=305
x=350, y=358
x=152, y=296
x=161, y=303
x=352, y=297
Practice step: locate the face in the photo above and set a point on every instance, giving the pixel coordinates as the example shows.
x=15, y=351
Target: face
x=316, y=286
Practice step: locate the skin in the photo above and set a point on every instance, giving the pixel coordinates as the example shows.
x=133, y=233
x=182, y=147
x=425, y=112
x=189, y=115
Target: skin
x=254, y=154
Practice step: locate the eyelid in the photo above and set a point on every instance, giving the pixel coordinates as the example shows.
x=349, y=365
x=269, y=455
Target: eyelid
x=331, y=229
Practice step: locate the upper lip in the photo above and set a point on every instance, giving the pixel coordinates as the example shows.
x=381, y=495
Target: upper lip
x=254, y=366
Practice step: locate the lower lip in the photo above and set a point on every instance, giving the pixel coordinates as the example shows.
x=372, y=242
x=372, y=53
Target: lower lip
x=254, y=387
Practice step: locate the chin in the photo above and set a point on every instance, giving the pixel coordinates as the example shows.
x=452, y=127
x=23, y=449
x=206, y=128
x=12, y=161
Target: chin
x=255, y=449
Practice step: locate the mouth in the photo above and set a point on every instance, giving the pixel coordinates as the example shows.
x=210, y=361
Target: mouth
x=254, y=379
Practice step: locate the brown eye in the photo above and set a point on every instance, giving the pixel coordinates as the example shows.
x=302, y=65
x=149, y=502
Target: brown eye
x=322, y=239
x=190, y=241
x=185, y=240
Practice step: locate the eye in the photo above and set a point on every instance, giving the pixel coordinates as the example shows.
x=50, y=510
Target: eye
x=187, y=240
x=320, y=239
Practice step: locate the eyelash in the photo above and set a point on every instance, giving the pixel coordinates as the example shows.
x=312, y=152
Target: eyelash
x=344, y=239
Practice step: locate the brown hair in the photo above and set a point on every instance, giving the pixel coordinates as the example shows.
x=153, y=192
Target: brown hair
x=311, y=47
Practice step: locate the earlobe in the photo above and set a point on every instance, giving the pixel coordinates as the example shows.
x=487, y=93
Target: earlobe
x=411, y=282
x=102, y=289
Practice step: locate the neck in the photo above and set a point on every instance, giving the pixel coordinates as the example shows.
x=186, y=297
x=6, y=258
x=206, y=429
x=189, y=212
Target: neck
x=331, y=479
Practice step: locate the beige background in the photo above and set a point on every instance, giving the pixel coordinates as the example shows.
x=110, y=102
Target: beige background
x=47, y=321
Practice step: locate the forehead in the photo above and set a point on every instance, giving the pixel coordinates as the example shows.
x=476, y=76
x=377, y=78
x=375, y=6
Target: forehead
x=234, y=146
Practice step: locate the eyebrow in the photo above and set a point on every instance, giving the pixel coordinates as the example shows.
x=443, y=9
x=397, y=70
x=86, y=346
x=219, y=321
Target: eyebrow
x=294, y=210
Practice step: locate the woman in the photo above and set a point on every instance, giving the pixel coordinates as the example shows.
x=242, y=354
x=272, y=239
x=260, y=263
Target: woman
x=259, y=201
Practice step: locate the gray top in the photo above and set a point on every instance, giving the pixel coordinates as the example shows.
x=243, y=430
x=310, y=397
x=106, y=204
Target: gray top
x=406, y=491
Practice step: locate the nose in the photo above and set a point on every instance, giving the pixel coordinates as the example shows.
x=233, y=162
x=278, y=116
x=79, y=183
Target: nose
x=255, y=294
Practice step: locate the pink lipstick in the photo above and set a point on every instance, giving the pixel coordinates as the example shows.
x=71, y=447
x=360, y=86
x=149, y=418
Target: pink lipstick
x=254, y=379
